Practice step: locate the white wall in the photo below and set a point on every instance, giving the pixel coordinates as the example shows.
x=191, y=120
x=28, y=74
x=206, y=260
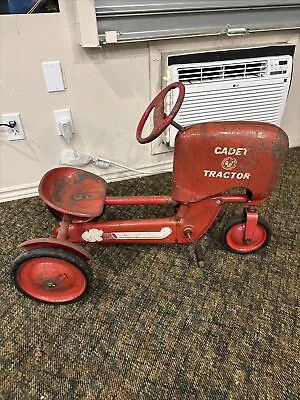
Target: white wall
x=107, y=90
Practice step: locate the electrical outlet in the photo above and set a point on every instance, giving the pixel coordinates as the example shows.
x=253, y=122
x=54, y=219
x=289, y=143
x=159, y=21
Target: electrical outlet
x=16, y=133
x=64, y=123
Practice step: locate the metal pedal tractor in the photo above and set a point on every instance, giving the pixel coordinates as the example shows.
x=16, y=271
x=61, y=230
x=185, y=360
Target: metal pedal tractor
x=210, y=159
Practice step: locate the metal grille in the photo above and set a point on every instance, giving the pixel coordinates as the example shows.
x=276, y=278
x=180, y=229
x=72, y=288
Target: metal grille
x=255, y=102
x=252, y=69
x=244, y=90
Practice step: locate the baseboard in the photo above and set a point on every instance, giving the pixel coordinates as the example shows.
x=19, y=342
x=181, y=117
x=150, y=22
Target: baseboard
x=31, y=190
x=18, y=192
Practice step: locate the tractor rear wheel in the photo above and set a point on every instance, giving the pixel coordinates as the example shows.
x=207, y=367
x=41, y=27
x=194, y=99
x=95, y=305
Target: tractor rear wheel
x=51, y=275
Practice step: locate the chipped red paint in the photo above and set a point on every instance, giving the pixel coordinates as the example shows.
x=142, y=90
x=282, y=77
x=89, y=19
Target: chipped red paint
x=211, y=160
x=251, y=224
x=52, y=280
x=204, y=165
x=73, y=191
x=54, y=242
x=196, y=216
x=139, y=200
x=110, y=228
x=160, y=120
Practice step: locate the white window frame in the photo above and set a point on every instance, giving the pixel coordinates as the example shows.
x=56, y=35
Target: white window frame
x=116, y=21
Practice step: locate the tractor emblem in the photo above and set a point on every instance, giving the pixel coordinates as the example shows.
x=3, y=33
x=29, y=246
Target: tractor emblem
x=229, y=163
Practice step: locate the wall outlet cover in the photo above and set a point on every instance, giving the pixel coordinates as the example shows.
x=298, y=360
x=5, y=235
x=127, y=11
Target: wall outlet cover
x=16, y=133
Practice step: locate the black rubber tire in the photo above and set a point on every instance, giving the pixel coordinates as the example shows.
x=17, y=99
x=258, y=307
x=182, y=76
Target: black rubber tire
x=52, y=252
x=240, y=219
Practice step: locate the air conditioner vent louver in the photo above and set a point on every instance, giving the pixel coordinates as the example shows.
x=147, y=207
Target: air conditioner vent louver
x=206, y=73
x=250, y=89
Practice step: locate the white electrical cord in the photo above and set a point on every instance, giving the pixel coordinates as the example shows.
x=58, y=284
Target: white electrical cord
x=74, y=158
x=103, y=163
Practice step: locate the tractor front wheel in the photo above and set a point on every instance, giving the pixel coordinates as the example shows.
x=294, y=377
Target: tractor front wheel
x=233, y=233
x=51, y=275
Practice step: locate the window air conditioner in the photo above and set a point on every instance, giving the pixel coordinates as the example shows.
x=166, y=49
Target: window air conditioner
x=251, y=89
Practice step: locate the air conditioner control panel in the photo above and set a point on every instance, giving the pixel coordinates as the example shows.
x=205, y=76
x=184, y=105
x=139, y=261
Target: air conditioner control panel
x=279, y=67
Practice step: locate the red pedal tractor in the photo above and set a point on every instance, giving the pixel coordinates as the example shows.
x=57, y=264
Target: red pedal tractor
x=210, y=159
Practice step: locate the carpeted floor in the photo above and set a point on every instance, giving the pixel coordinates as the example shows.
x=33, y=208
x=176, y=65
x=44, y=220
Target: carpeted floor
x=155, y=325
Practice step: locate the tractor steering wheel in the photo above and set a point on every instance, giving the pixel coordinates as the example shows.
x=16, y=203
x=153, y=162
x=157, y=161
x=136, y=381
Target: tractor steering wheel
x=160, y=120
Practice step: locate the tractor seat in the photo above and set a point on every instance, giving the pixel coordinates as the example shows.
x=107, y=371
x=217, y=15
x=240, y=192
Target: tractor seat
x=73, y=191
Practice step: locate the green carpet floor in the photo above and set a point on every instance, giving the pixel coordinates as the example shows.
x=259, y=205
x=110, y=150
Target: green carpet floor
x=155, y=325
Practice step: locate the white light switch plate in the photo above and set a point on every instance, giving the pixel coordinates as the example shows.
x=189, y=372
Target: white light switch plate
x=53, y=76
